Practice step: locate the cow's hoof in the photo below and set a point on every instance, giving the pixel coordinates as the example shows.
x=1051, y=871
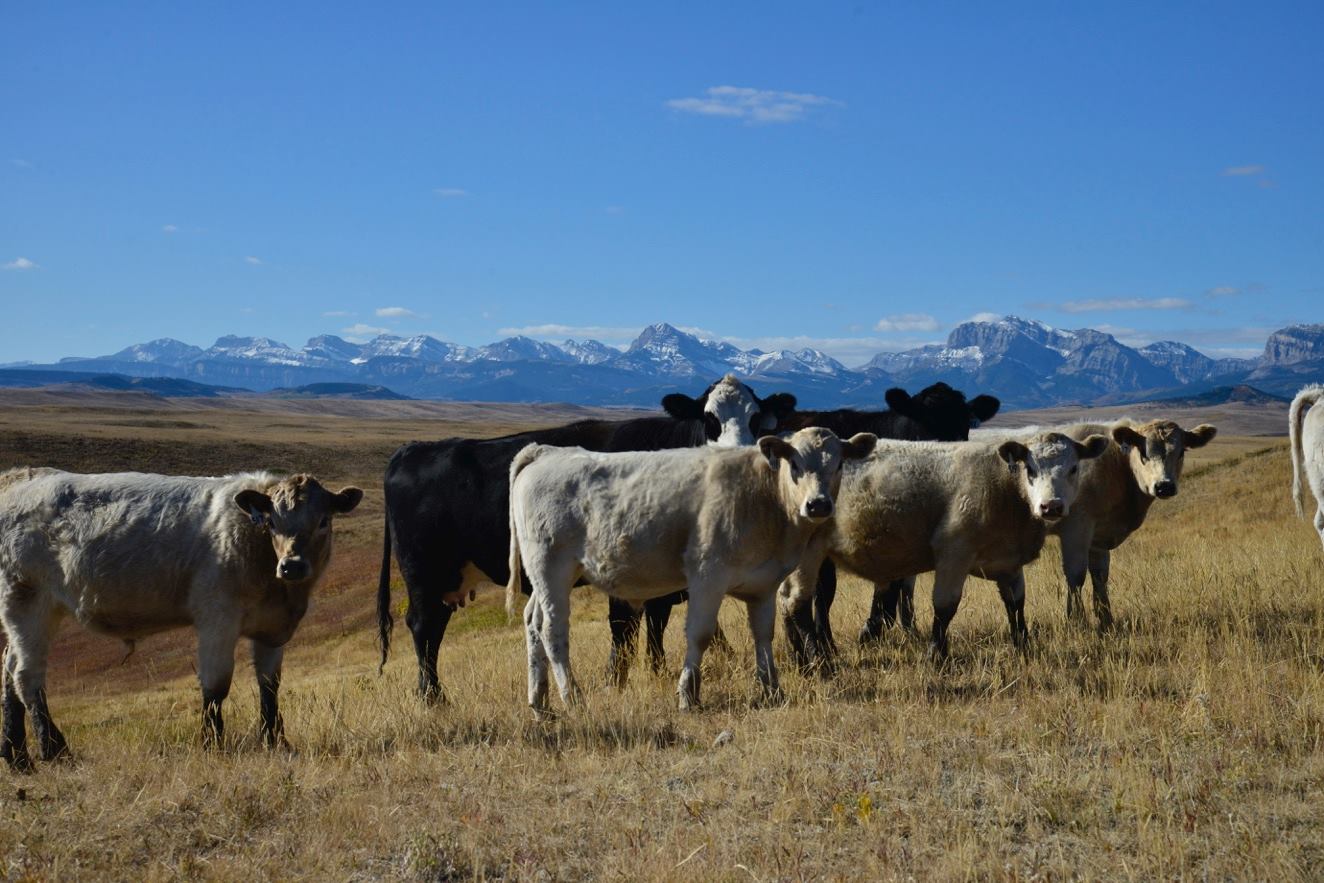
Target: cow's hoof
x=57, y=754
x=870, y=635
x=774, y=698
x=17, y=758
x=433, y=697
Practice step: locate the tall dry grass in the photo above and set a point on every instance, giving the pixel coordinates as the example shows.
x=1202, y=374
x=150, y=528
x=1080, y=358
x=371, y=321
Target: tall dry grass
x=1186, y=744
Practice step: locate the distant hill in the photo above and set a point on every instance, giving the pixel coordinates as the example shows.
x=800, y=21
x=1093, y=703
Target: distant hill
x=1223, y=395
x=170, y=387
x=1025, y=363
x=360, y=391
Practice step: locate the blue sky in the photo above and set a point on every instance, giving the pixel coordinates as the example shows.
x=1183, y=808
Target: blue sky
x=851, y=177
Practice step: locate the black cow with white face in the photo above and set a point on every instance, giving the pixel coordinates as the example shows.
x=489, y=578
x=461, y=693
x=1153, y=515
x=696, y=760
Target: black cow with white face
x=447, y=502
x=936, y=413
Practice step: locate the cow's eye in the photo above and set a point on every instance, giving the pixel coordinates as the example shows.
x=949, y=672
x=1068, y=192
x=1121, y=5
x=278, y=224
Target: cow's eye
x=326, y=522
x=1075, y=469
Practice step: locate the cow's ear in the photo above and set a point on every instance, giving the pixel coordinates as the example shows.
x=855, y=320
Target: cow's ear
x=346, y=500
x=682, y=407
x=255, y=504
x=859, y=446
x=984, y=408
x=1092, y=447
x=774, y=448
x=1013, y=452
x=1199, y=436
x=899, y=400
x=1125, y=435
x=780, y=404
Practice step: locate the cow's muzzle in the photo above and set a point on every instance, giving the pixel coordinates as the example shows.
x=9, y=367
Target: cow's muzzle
x=1051, y=510
x=293, y=569
x=1165, y=489
x=818, y=507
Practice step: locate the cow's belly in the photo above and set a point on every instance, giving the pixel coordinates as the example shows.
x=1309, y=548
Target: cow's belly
x=132, y=612
x=638, y=581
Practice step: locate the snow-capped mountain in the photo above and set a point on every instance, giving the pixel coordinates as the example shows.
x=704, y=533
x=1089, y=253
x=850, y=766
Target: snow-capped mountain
x=523, y=349
x=590, y=352
x=1024, y=362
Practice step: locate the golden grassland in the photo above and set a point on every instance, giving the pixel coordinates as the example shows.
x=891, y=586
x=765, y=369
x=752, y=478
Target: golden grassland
x=1185, y=744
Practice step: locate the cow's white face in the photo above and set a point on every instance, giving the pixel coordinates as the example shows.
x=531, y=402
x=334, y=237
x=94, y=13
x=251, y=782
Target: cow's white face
x=297, y=514
x=735, y=414
x=1156, y=451
x=1048, y=466
x=809, y=466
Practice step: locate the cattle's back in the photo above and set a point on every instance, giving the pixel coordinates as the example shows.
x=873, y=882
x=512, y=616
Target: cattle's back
x=125, y=546
x=628, y=518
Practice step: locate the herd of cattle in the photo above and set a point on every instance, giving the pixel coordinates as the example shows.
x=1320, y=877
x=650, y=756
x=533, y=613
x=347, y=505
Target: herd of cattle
x=725, y=495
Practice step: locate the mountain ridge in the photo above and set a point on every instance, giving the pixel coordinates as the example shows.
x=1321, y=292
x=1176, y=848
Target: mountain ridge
x=1024, y=362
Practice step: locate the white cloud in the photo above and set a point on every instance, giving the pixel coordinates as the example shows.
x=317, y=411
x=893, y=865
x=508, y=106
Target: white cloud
x=396, y=313
x=21, y=264
x=907, y=322
x=1243, y=171
x=20, y=163
x=359, y=332
x=752, y=105
x=450, y=192
x=1223, y=291
x=169, y=228
x=985, y=317
x=1102, y=305
x=614, y=210
x=337, y=314
x=252, y=261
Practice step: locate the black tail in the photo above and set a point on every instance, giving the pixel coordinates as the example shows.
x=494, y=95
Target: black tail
x=384, y=620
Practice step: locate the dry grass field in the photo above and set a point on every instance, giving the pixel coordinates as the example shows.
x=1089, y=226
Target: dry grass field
x=1185, y=744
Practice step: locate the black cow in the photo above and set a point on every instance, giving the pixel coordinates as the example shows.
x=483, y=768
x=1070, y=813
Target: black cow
x=447, y=502
x=937, y=413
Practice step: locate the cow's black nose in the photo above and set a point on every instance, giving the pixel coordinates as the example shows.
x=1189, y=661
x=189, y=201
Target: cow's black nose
x=819, y=507
x=1165, y=489
x=292, y=568
x=1052, y=509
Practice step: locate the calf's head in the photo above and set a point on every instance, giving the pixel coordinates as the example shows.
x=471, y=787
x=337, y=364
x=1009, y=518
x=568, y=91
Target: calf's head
x=732, y=415
x=297, y=514
x=1155, y=451
x=1048, y=466
x=809, y=466
x=942, y=413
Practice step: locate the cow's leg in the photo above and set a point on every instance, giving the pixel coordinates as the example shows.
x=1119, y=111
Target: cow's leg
x=700, y=624
x=553, y=587
x=14, y=736
x=266, y=665
x=29, y=620
x=657, y=613
x=762, y=614
x=905, y=589
x=1319, y=522
x=824, y=595
x=882, y=613
x=427, y=619
x=623, y=618
x=1103, y=611
x=216, y=643
x=948, y=583
x=1012, y=590
x=1075, y=561
x=533, y=617
x=798, y=619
